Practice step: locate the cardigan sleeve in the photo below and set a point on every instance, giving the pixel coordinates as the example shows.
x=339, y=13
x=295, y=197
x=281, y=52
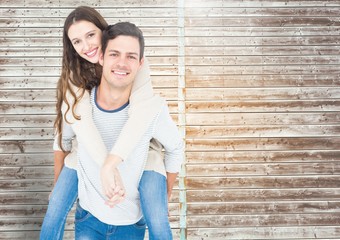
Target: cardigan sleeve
x=85, y=129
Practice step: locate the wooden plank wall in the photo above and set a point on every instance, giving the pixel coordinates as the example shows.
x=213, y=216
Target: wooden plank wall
x=253, y=85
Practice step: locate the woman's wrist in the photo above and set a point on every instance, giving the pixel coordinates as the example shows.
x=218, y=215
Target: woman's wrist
x=112, y=161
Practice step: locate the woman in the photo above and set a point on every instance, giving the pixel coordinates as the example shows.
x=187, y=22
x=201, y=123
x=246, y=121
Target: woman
x=81, y=72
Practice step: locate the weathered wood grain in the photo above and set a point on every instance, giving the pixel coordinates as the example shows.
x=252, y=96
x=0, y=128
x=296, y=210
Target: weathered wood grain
x=279, y=106
x=254, y=208
x=264, y=144
x=103, y=3
x=258, y=169
x=261, y=118
x=253, y=85
x=269, y=80
x=263, y=156
x=303, y=232
x=262, y=195
x=42, y=82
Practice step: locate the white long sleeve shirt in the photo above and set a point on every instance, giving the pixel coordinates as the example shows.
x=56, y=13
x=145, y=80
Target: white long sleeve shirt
x=109, y=125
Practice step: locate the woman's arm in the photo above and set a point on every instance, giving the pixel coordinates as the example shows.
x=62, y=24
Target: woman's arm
x=85, y=129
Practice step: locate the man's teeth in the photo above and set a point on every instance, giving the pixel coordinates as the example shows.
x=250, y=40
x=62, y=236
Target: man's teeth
x=121, y=73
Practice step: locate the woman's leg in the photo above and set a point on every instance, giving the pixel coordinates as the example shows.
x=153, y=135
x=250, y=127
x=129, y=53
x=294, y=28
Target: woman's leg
x=154, y=203
x=63, y=196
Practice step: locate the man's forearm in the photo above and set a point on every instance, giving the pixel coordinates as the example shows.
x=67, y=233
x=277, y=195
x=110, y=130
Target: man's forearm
x=170, y=181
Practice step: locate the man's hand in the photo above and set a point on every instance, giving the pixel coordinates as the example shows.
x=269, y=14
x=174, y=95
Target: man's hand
x=111, y=181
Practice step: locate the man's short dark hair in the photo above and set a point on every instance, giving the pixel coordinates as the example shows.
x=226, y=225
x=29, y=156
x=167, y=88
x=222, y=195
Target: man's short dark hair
x=123, y=29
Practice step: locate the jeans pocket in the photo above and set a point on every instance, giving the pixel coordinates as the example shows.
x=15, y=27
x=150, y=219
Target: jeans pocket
x=141, y=224
x=81, y=214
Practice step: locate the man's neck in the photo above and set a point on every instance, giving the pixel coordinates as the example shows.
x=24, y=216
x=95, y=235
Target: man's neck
x=112, y=98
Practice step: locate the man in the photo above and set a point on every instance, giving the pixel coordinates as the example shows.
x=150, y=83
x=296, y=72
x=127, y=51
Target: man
x=123, y=49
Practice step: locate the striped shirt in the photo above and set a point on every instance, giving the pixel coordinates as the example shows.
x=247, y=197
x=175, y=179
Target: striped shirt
x=109, y=125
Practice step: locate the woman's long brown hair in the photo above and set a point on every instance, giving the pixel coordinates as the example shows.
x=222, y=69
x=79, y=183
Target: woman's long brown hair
x=76, y=71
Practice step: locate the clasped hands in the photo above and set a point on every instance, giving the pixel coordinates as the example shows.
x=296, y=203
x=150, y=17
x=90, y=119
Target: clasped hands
x=112, y=183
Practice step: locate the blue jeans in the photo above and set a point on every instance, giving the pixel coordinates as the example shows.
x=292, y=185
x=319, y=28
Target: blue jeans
x=153, y=196
x=89, y=227
x=154, y=202
x=62, y=198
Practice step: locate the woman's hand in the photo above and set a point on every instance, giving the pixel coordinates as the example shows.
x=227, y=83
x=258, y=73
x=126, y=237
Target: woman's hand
x=112, y=183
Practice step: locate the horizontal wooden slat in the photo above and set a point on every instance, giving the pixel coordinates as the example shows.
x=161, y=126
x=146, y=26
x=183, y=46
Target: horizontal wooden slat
x=58, y=31
x=43, y=71
x=26, y=146
x=43, y=108
x=41, y=197
x=34, y=224
x=39, y=159
x=264, y=119
x=50, y=95
x=42, y=121
x=36, y=82
x=53, y=42
x=34, y=133
x=258, y=156
x=191, y=31
x=256, y=3
x=295, y=93
x=263, y=106
x=260, y=50
x=264, y=69
x=257, y=182
x=237, y=144
x=263, y=195
x=123, y=12
x=26, y=133
x=261, y=232
x=30, y=235
x=195, y=60
x=36, y=172
x=255, y=11
x=257, y=169
x=34, y=211
x=57, y=52
x=220, y=132
x=265, y=220
x=257, y=41
x=263, y=22
x=213, y=31
x=59, y=22
x=261, y=208
x=206, y=170
x=191, y=11
x=75, y=3
x=269, y=80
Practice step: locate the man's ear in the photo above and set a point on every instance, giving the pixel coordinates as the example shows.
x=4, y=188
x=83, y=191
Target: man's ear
x=141, y=62
x=101, y=59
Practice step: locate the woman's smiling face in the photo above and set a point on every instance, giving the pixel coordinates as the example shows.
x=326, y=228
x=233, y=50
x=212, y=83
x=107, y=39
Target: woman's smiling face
x=86, y=40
